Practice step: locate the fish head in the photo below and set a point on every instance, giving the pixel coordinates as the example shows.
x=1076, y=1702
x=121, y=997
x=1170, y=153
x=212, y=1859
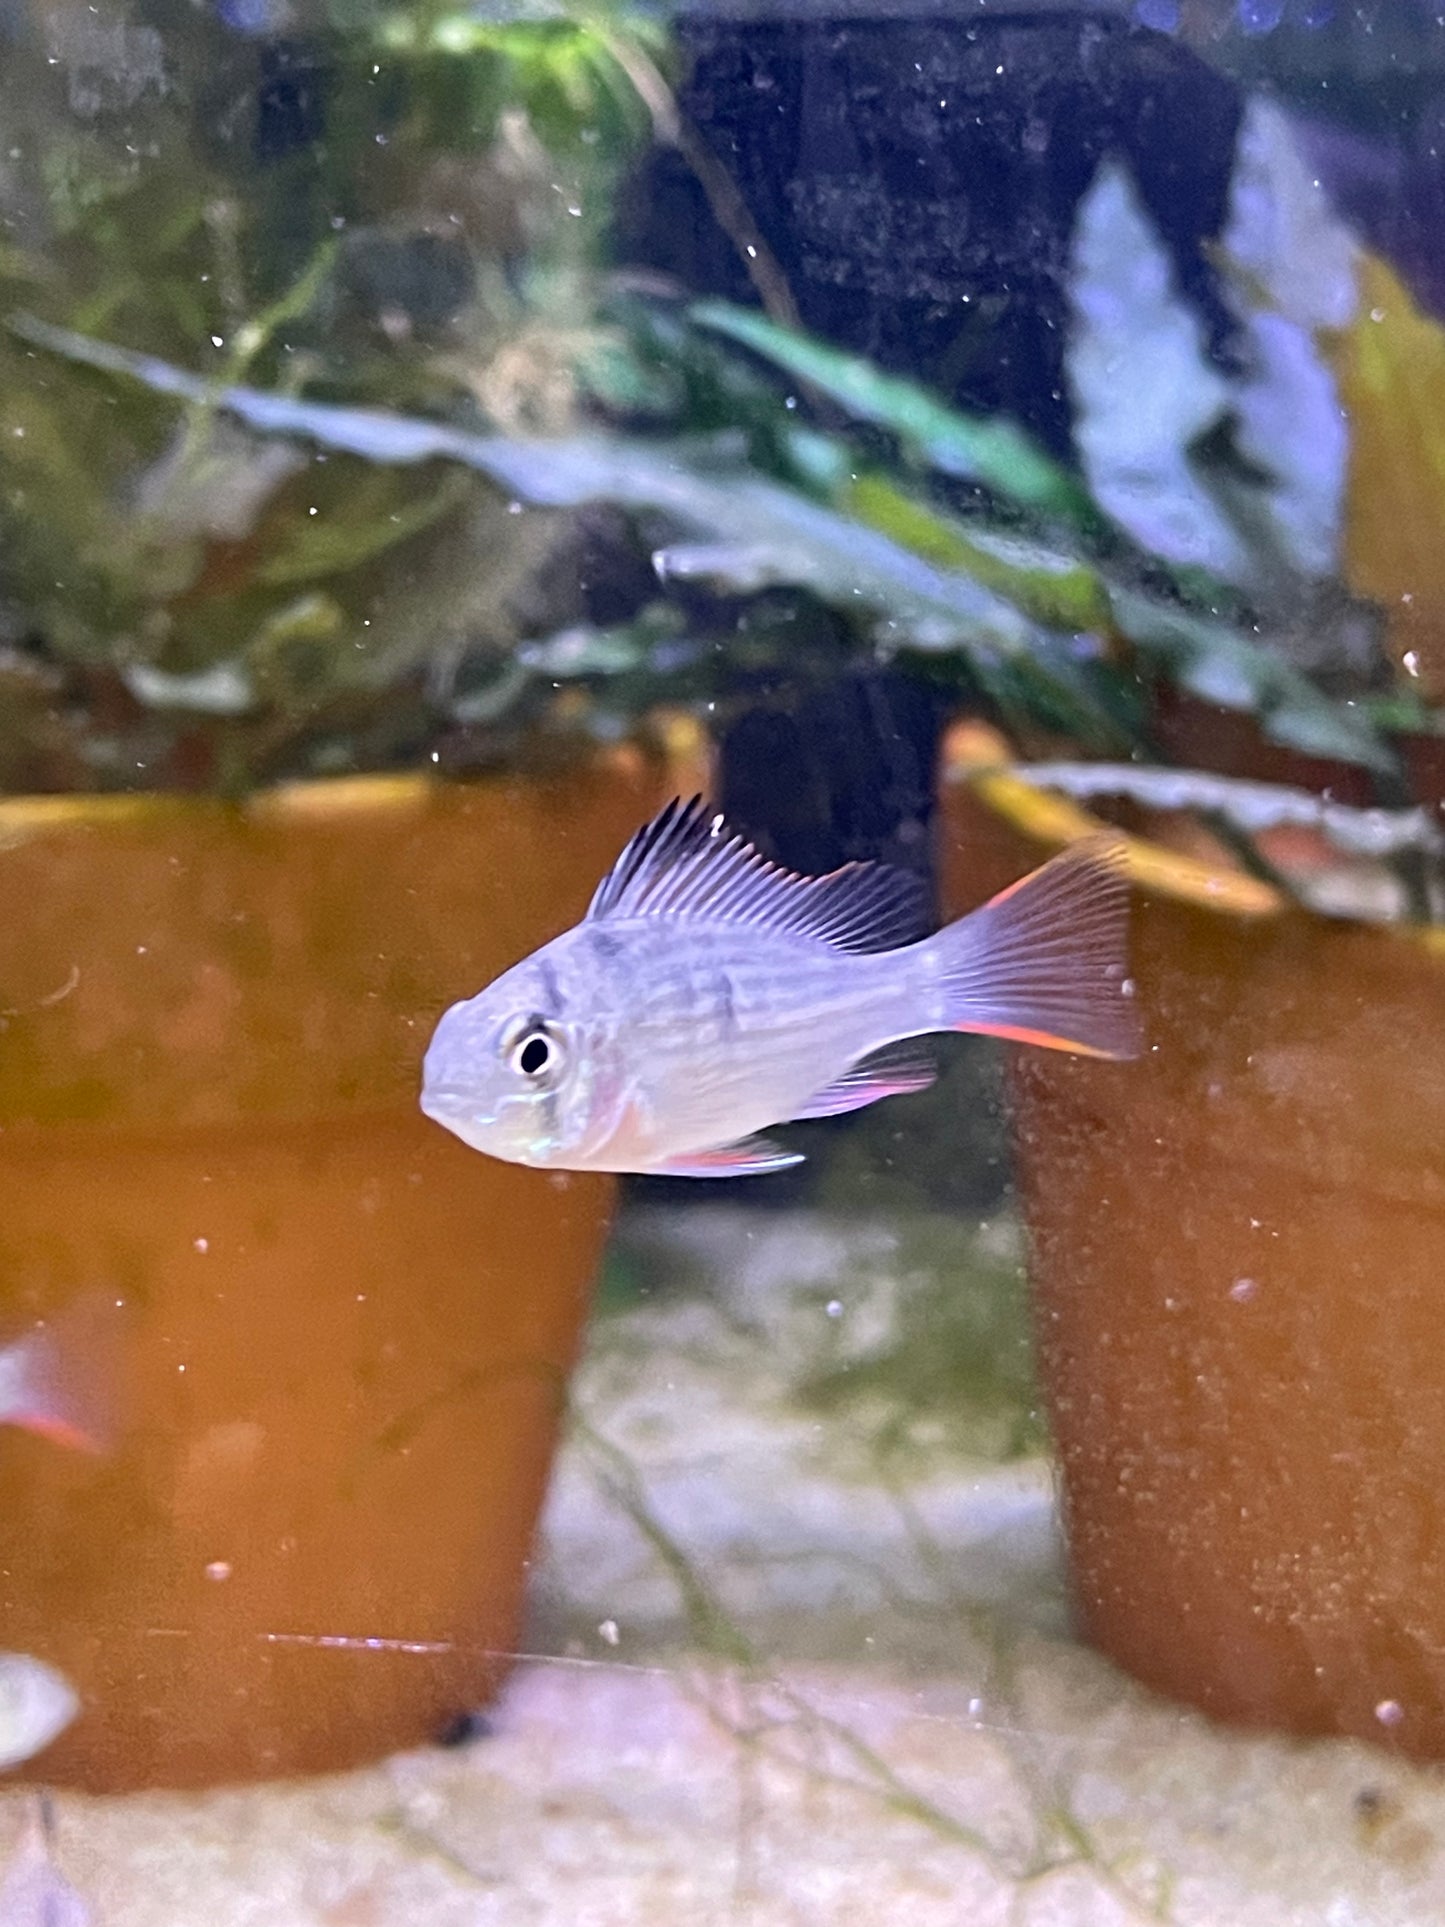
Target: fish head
x=508, y=1070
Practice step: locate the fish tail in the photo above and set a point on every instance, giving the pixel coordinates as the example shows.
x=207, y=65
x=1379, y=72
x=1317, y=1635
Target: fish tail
x=61, y=1378
x=1046, y=961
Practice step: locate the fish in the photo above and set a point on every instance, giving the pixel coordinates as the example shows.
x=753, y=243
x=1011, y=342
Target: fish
x=708, y=994
x=60, y=1379
x=33, y=1891
x=37, y=1703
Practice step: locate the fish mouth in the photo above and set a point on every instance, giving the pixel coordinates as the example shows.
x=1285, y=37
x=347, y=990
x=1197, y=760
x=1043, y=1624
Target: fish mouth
x=457, y=1111
x=447, y=1104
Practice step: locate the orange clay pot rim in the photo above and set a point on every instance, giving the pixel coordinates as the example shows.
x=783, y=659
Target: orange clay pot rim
x=316, y=798
x=978, y=755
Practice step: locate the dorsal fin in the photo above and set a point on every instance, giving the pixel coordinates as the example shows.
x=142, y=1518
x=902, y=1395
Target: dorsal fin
x=687, y=863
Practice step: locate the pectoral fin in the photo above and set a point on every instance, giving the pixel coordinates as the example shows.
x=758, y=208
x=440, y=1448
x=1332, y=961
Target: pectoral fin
x=890, y=1072
x=749, y=1157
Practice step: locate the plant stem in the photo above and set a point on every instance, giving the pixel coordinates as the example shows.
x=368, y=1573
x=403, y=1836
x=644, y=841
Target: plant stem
x=674, y=128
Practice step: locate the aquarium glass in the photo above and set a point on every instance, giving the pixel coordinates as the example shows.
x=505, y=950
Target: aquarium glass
x=880, y=1357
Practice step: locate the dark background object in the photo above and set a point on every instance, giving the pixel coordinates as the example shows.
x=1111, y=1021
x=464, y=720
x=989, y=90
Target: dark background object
x=839, y=773
x=835, y=773
x=918, y=178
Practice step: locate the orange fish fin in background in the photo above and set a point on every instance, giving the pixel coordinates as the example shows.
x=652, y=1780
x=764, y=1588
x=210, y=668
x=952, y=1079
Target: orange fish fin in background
x=1046, y=960
x=61, y=1381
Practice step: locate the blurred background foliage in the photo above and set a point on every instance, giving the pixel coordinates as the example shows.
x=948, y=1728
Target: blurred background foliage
x=403, y=209
x=338, y=434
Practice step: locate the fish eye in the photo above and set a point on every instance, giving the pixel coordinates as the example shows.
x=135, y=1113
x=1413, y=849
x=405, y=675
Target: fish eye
x=535, y=1053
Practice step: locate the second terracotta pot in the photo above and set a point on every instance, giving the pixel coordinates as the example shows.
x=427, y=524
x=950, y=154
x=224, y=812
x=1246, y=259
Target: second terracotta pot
x=1237, y=1261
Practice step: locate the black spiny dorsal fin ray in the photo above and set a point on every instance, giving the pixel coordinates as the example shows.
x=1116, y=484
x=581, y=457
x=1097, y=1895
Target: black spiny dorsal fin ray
x=689, y=865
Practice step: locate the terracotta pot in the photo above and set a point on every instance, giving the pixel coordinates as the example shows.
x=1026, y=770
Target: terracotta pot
x=1238, y=1274
x=346, y=1336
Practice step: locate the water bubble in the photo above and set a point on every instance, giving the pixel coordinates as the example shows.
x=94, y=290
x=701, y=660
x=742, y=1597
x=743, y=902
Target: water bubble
x=835, y=1308
x=219, y=1569
x=1243, y=1289
x=607, y=1630
x=1389, y=1712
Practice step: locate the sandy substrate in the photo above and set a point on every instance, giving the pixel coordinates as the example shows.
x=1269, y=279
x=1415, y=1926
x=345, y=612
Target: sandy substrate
x=797, y=1658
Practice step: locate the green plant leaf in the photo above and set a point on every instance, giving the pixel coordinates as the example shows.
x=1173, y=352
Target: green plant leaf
x=750, y=531
x=1056, y=589
x=754, y=530
x=997, y=453
x=344, y=538
x=1220, y=664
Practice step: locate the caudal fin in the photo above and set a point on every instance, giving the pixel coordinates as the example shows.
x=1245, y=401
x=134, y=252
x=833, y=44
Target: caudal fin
x=1046, y=961
x=61, y=1380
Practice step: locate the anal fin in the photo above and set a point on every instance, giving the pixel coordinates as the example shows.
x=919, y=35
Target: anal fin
x=892, y=1071
x=749, y=1157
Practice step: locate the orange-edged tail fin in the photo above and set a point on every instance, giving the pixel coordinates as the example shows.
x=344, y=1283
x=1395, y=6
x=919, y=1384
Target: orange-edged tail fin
x=62, y=1380
x=1046, y=961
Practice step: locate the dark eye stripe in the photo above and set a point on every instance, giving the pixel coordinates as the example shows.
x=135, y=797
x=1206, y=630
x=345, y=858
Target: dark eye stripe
x=551, y=989
x=519, y=1029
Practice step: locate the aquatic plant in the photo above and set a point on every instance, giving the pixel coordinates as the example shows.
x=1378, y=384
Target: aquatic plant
x=441, y=484
x=407, y=214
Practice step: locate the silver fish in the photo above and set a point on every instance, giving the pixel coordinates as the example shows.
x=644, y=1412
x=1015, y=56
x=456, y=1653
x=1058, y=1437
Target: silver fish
x=707, y=993
x=37, y=1703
